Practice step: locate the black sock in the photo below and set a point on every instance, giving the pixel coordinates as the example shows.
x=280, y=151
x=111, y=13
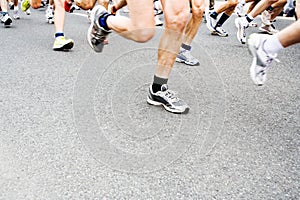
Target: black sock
x=270, y=9
x=214, y=15
x=59, y=34
x=186, y=47
x=157, y=83
x=222, y=19
x=248, y=19
x=103, y=19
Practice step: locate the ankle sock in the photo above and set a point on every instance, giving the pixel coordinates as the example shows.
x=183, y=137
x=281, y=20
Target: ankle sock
x=59, y=34
x=157, y=83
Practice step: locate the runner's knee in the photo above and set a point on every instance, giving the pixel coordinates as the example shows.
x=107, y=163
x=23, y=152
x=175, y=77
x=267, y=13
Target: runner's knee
x=197, y=10
x=144, y=34
x=85, y=5
x=177, y=21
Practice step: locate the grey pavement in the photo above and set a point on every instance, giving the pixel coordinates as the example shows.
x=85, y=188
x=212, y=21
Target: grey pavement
x=76, y=125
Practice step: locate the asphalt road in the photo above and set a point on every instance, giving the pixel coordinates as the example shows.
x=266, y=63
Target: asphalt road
x=76, y=125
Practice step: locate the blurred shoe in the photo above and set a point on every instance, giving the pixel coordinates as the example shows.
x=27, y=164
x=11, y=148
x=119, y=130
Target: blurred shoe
x=25, y=5
x=211, y=22
x=158, y=22
x=239, y=9
x=265, y=17
x=261, y=60
x=50, y=15
x=11, y=5
x=61, y=44
x=268, y=29
x=241, y=24
x=28, y=12
x=6, y=20
x=16, y=14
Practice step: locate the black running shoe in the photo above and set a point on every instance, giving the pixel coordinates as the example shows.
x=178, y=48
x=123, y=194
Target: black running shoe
x=168, y=99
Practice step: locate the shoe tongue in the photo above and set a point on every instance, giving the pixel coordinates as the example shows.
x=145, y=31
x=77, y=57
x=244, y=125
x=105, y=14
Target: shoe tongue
x=164, y=87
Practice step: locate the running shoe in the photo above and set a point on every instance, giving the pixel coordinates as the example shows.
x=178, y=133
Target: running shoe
x=239, y=9
x=28, y=12
x=6, y=20
x=61, y=44
x=184, y=56
x=25, y=5
x=261, y=59
x=158, y=22
x=168, y=99
x=220, y=32
x=266, y=17
x=97, y=34
x=16, y=14
x=268, y=29
x=253, y=24
x=211, y=22
x=11, y=5
x=69, y=6
x=50, y=15
x=241, y=23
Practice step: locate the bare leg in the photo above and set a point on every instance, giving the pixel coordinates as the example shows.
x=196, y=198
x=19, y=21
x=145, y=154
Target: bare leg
x=227, y=5
x=59, y=16
x=260, y=7
x=278, y=7
x=194, y=22
x=176, y=16
x=290, y=35
x=4, y=5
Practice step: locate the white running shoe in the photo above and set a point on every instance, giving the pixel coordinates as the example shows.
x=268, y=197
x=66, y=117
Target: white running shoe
x=185, y=56
x=50, y=15
x=241, y=23
x=158, y=22
x=16, y=14
x=28, y=12
x=239, y=9
x=168, y=99
x=6, y=19
x=268, y=29
x=220, y=32
x=261, y=59
x=211, y=22
x=266, y=17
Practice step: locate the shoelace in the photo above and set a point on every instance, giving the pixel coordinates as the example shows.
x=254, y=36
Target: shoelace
x=172, y=95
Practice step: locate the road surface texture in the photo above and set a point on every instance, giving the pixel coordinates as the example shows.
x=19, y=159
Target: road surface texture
x=76, y=125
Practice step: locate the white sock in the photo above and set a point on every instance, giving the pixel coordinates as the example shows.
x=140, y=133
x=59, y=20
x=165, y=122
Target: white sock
x=16, y=8
x=272, y=45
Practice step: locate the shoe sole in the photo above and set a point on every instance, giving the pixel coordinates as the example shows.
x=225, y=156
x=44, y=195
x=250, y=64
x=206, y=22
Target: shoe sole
x=187, y=63
x=155, y=103
x=219, y=34
x=65, y=47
